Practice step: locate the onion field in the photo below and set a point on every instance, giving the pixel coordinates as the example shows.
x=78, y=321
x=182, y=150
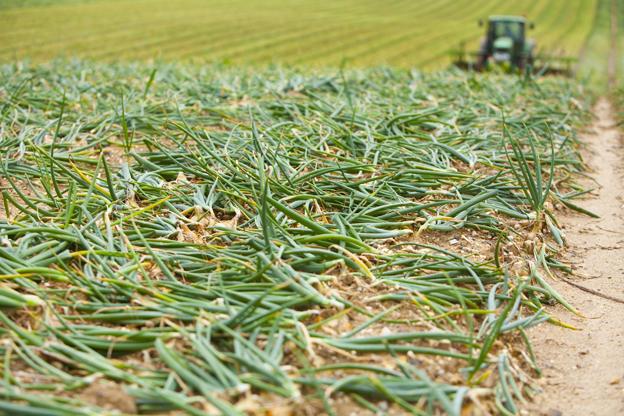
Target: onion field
x=205, y=240
x=400, y=33
x=290, y=207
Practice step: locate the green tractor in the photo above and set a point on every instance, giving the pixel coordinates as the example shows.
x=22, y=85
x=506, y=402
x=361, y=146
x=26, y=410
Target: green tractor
x=505, y=43
x=506, y=46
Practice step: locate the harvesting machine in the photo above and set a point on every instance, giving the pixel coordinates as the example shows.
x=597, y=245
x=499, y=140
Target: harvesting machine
x=506, y=46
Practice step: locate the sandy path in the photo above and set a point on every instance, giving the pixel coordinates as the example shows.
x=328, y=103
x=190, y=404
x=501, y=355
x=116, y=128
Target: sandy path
x=584, y=370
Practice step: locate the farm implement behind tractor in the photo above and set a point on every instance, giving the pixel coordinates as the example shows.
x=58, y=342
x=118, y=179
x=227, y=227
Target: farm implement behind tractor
x=506, y=47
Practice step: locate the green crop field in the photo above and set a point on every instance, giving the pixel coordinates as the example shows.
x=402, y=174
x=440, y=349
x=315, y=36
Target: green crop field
x=362, y=32
x=278, y=207
x=218, y=240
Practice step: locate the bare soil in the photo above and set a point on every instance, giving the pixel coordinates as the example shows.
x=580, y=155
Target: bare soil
x=109, y=395
x=584, y=369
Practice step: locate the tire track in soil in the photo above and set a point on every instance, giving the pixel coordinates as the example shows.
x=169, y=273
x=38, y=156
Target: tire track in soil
x=583, y=371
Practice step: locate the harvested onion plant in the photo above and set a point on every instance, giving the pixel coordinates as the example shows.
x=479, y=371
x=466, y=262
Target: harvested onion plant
x=224, y=241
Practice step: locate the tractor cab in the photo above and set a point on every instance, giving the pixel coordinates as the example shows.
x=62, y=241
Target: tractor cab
x=505, y=47
x=505, y=42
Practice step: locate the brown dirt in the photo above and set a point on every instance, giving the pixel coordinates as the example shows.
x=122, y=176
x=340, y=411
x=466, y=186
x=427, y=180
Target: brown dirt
x=109, y=395
x=583, y=369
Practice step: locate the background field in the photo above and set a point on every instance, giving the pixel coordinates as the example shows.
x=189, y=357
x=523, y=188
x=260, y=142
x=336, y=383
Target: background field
x=397, y=32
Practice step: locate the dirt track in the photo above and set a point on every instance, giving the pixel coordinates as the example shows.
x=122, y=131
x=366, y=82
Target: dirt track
x=584, y=369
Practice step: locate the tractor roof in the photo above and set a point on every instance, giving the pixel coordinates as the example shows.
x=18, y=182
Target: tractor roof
x=519, y=19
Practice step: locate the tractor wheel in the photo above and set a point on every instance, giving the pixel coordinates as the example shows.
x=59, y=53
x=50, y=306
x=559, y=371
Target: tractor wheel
x=481, y=62
x=526, y=61
x=482, y=56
